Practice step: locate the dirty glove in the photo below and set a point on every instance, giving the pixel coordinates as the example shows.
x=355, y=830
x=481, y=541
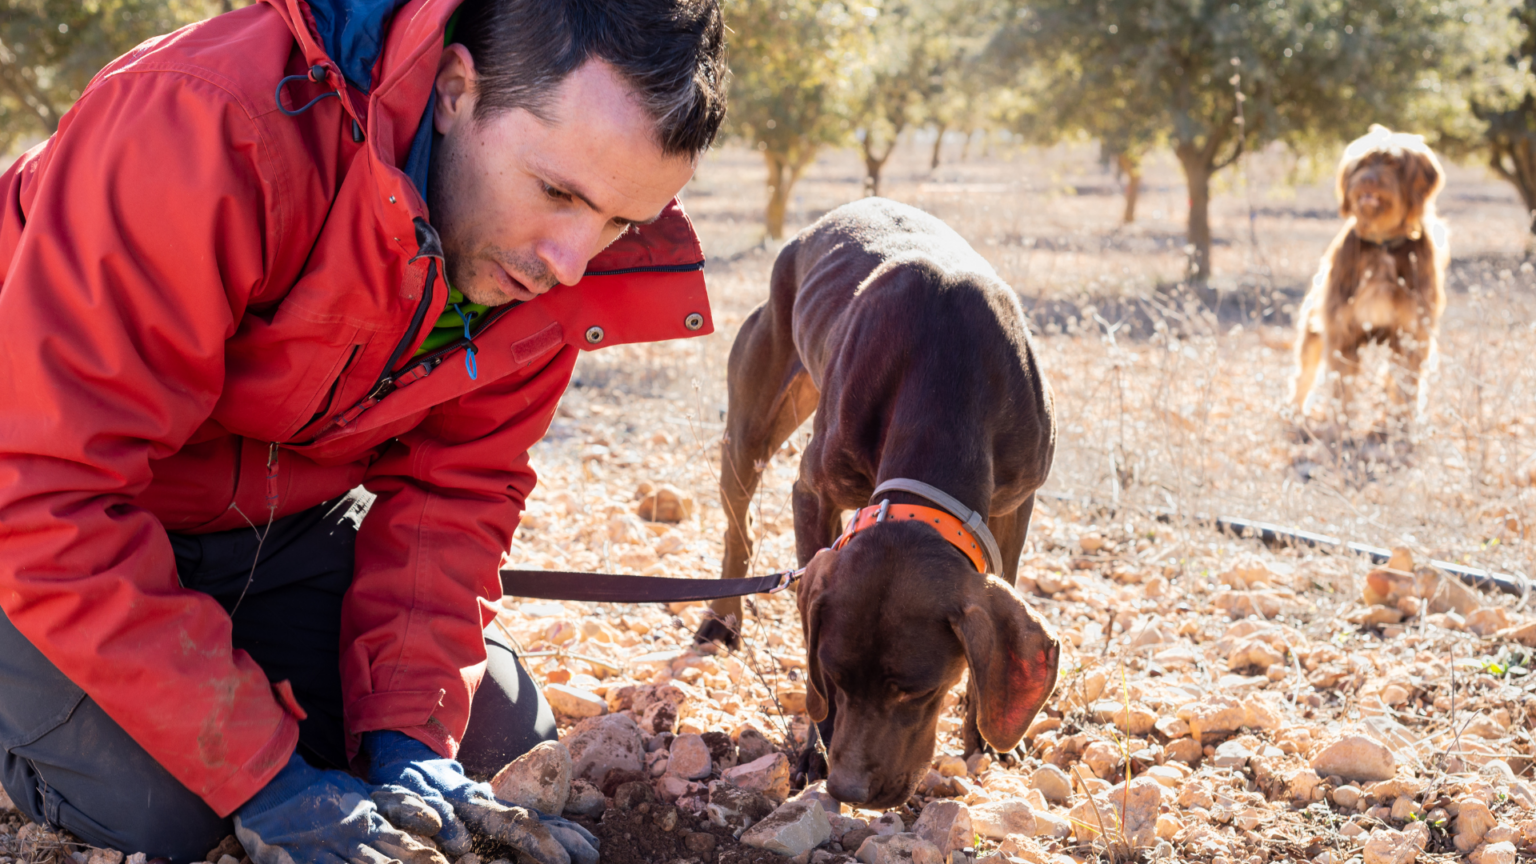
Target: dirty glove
x=308, y=816
x=397, y=760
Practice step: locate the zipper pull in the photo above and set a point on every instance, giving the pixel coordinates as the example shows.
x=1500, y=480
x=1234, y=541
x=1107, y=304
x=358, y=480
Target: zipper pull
x=272, y=477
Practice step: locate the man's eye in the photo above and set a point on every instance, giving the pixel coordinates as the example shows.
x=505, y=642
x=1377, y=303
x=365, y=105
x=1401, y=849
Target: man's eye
x=556, y=194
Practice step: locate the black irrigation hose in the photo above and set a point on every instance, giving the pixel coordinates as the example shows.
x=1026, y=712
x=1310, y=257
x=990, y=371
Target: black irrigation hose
x=1278, y=535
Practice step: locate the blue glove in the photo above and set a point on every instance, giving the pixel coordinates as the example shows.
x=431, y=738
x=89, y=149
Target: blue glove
x=398, y=761
x=308, y=816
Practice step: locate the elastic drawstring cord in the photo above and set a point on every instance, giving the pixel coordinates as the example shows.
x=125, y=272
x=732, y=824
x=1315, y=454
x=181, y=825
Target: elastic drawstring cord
x=316, y=74
x=471, y=349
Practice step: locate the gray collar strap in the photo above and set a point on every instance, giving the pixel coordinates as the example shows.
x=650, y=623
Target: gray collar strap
x=973, y=521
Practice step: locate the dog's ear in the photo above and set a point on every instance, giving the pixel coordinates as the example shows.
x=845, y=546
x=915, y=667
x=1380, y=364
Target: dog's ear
x=1422, y=178
x=1013, y=658
x=1346, y=168
x=808, y=599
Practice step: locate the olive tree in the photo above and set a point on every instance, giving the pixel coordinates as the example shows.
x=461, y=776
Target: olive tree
x=1215, y=79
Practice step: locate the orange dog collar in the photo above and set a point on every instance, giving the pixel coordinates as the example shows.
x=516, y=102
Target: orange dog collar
x=948, y=526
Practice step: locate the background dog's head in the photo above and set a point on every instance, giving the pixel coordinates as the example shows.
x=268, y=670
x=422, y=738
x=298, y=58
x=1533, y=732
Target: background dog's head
x=1387, y=182
x=890, y=621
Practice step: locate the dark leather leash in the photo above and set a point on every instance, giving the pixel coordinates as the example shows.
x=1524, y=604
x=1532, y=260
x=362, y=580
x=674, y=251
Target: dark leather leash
x=617, y=588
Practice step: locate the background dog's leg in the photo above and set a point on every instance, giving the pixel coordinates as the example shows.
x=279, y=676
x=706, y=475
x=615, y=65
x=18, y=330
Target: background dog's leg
x=1309, y=355
x=1405, y=387
x=770, y=395
x=1344, y=362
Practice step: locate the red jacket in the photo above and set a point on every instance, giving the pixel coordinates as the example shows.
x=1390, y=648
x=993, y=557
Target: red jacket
x=200, y=293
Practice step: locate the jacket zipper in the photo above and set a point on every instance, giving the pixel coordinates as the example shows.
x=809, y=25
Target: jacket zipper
x=330, y=395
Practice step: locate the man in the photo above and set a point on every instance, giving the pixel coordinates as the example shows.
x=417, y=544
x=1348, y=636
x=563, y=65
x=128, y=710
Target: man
x=223, y=310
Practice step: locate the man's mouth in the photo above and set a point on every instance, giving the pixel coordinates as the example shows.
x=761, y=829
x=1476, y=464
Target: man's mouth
x=511, y=286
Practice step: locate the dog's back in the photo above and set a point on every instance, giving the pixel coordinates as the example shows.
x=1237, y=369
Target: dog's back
x=901, y=326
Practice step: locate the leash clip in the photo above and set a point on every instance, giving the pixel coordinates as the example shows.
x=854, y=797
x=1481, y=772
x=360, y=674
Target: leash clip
x=787, y=578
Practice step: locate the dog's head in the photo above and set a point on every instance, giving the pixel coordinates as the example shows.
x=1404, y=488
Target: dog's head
x=890, y=622
x=1387, y=182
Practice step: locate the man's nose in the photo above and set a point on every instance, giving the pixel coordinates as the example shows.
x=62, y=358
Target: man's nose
x=566, y=254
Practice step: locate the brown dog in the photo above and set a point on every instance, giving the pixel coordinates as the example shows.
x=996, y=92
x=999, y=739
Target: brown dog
x=917, y=363
x=1380, y=280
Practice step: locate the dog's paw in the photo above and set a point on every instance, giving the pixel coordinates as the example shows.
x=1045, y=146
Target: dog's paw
x=716, y=631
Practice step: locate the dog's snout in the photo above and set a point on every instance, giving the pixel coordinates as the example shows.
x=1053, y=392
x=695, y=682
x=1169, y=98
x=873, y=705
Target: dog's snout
x=849, y=787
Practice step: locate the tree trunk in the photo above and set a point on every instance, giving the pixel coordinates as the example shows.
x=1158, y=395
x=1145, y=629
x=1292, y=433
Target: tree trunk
x=779, y=183
x=874, y=163
x=1131, y=168
x=1197, y=176
x=965, y=149
x=938, y=144
x=1514, y=159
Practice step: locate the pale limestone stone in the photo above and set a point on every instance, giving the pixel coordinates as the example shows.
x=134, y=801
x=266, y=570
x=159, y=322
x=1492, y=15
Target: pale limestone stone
x=539, y=779
x=898, y=849
x=945, y=824
x=794, y=828
x=1355, y=757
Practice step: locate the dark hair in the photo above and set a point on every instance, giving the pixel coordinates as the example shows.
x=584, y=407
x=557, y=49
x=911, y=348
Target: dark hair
x=671, y=51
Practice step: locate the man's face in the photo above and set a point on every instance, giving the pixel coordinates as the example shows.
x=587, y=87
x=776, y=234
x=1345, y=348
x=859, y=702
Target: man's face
x=523, y=204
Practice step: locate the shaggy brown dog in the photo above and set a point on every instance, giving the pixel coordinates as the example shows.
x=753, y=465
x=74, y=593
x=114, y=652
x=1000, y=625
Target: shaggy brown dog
x=1380, y=280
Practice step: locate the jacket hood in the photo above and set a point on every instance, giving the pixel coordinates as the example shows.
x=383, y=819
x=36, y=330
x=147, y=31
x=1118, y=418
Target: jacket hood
x=352, y=32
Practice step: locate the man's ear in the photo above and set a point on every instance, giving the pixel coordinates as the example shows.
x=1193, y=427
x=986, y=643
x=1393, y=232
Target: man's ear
x=1013, y=658
x=808, y=599
x=453, y=89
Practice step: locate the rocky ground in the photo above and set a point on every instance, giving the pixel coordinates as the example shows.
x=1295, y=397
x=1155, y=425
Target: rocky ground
x=1219, y=701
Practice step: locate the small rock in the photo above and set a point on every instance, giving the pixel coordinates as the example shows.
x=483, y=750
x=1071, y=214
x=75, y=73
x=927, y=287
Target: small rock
x=689, y=757
x=1052, y=783
x=794, y=828
x=666, y=504
x=768, y=775
x=1135, y=719
x=601, y=744
x=672, y=787
x=729, y=805
x=947, y=825
x=1473, y=820
x=898, y=849
x=1525, y=635
x=888, y=823
x=1186, y=750
x=998, y=819
x=1139, y=800
x=700, y=843
x=1215, y=713
x=1488, y=620
x=539, y=779
x=1231, y=754
x=818, y=792
x=1301, y=784
x=1253, y=652
x=1405, y=808
x=751, y=745
x=1346, y=797
x=1355, y=757
x=574, y=702
x=113, y=856
x=1102, y=758
x=632, y=794
x=1493, y=853
x=1167, y=826
x=950, y=766
x=584, y=799
x=1385, y=846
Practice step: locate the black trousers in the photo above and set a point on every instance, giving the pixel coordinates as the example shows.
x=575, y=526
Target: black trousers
x=67, y=764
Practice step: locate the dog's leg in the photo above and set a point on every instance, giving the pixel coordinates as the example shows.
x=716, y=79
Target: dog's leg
x=1344, y=364
x=770, y=395
x=1406, y=385
x=1309, y=355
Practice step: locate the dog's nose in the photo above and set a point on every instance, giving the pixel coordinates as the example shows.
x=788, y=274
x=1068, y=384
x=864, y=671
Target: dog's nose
x=848, y=788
